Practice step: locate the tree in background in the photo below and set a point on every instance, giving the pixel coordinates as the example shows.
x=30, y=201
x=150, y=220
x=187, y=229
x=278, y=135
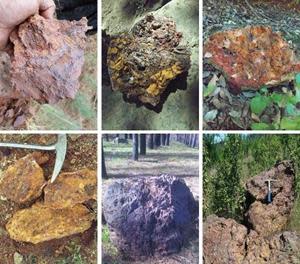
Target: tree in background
x=150, y=141
x=168, y=140
x=135, y=147
x=143, y=144
x=157, y=140
x=103, y=167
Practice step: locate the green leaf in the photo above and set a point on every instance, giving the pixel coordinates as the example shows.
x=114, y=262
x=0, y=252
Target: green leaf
x=211, y=87
x=290, y=123
x=297, y=80
x=291, y=110
x=258, y=104
x=261, y=126
x=264, y=90
x=84, y=107
x=211, y=115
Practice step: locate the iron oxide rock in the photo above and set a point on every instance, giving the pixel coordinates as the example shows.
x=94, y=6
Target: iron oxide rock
x=71, y=188
x=48, y=58
x=150, y=216
x=40, y=223
x=143, y=62
x=224, y=241
x=23, y=181
x=267, y=218
x=251, y=57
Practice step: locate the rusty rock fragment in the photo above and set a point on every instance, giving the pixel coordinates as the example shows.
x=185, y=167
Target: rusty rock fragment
x=48, y=58
x=23, y=181
x=143, y=62
x=41, y=223
x=251, y=57
x=71, y=188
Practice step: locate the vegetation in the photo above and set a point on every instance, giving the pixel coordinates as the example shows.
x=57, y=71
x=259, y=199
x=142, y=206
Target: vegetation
x=229, y=160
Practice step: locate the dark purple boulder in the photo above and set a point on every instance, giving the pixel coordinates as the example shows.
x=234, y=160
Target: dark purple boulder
x=149, y=216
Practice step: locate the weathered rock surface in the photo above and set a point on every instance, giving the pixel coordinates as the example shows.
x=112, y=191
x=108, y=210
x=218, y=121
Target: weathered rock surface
x=251, y=57
x=262, y=241
x=23, y=181
x=41, y=223
x=224, y=240
x=71, y=188
x=48, y=58
x=269, y=218
x=143, y=62
x=150, y=216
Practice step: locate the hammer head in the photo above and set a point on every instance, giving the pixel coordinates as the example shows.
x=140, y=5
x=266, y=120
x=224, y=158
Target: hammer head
x=61, y=150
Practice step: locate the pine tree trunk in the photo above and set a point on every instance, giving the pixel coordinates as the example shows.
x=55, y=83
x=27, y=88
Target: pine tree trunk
x=135, y=147
x=143, y=144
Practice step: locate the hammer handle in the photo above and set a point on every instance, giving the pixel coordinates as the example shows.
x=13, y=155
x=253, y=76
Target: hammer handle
x=27, y=146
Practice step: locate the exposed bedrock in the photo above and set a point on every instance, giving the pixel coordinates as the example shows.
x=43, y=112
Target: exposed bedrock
x=263, y=240
x=150, y=216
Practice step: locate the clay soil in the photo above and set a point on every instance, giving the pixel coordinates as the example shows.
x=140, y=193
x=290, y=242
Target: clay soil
x=81, y=249
x=177, y=160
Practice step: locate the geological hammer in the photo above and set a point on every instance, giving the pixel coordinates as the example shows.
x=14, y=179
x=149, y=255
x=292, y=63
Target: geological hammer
x=269, y=189
x=60, y=148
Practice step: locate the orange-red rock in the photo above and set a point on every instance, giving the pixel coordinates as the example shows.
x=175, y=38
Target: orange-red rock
x=23, y=181
x=251, y=57
x=41, y=223
x=48, y=58
x=71, y=188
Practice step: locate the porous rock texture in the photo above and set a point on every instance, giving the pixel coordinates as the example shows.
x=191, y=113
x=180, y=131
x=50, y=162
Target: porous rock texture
x=269, y=218
x=263, y=239
x=23, y=181
x=149, y=216
x=48, y=57
x=251, y=57
x=71, y=188
x=41, y=223
x=144, y=61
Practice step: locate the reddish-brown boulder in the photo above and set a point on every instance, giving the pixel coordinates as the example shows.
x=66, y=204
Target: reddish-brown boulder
x=48, y=57
x=251, y=57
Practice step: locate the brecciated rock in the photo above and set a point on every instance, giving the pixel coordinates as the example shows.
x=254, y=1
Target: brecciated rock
x=48, y=58
x=150, y=216
x=71, y=188
x=23, y=181
x=251, y=57
x=144, y=61
x=224, y=241
x=41, y=223
x=269, y=218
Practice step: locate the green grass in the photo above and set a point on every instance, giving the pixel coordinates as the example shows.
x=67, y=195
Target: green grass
x=107, y=245
x=74, y=257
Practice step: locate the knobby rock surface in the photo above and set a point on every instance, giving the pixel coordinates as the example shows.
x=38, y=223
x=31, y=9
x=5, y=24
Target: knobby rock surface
x=262, y=239
x=144, y=61
x=150, y=216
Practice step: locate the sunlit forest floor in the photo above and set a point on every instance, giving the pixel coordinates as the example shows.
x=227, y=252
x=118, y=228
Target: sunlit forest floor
x=225, y=110
x=177, y=160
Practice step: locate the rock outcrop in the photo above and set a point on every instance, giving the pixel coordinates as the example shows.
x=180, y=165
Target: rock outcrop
x=23, y=181
x=251, y=57
x=144, y=61
x=263, y=239
x=150, y=216
x=47, y=59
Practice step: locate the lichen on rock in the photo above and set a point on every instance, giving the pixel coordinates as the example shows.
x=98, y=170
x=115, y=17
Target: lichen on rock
x=71, y=188
x=23, y=181
x=251, y=57
x=40, y=223
x=48, y=57
x=144, y=61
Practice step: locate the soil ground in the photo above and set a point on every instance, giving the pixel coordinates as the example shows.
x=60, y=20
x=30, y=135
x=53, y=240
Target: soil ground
x=77, y=249
x=233, y=111
x=176, y=159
